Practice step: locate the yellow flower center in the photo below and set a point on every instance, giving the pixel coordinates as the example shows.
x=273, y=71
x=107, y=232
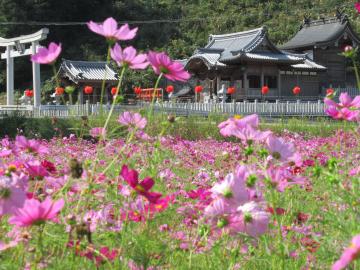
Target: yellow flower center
x=139, y=188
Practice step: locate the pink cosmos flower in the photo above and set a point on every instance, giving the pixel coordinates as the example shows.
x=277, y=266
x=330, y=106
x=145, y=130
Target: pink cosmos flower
x=143, y=187
x=133, y=120
x=248, y=134
x=282, y=178
x=347, y=108
x=345, y=101
x=255, y=219
x=47, y=55
x=32, y=145
x=128, y=57
x=36, y=169
x=233, y=125
x=233, y=188
x=218, y=207
x=343, y=113
x=161, y=63
x=350, y=254
x=140, y=134
x=35, y=212
x=11, y=196
x=279, y=149
x=97, y=132
x=109, y=29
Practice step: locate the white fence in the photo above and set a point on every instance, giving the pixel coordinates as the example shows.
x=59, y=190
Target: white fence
x=269, y=109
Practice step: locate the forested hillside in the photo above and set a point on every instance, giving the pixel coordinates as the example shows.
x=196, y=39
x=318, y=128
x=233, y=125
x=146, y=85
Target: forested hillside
x=175, y=26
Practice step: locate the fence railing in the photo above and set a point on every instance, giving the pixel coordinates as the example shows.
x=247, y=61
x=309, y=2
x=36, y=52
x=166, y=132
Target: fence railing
x=270, y=109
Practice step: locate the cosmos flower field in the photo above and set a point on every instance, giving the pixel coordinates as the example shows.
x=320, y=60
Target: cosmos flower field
x=259, y=201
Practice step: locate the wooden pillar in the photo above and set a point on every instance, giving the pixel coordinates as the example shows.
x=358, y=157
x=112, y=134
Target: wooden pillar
x=81, y=94
x=279, y=83
x=9, y=77
x=262, y=77
x=36, y=77
x=245, y=85
x=218, y=86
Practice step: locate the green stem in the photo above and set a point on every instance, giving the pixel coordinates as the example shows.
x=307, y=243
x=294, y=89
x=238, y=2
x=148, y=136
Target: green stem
x=70, y=99
x=40, y=243
x=153, y=97
x=281, y=239
x=104, y=81
x=55, y=75
x=356, y=74
x=114, y=101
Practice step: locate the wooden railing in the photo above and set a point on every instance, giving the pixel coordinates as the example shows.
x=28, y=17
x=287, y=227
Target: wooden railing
x=270, y=109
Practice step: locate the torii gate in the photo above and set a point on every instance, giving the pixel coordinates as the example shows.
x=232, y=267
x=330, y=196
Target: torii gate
x=15, y=47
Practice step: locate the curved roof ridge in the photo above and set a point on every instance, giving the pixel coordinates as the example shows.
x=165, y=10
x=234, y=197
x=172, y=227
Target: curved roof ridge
x=237, y=34
x=83, y=61
x=256, y=41
x=341, y=18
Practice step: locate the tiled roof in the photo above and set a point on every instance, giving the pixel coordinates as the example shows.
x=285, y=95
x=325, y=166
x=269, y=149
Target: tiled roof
x=79, y=71
x=267, y=57
x=233, y=43
x=310, y=65
x=210, y=59
x=320, y=32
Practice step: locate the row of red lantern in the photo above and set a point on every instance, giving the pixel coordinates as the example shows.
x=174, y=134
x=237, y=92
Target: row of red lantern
x=29, y=93
x=265, y=90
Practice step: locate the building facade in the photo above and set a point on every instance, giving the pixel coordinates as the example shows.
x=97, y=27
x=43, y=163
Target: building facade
x=323, y=41
x=249, y=60
x=83, y=73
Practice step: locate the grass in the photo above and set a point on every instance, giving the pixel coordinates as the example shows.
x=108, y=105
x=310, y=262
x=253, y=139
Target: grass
x=192, y=127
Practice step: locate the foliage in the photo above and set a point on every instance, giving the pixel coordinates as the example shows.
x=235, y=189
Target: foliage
x=197, y=19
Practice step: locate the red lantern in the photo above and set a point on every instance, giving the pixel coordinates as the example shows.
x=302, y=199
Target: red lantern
x=137, y=90
x=59, y=91
x=296, y=90
x=231, y=90
x=88, y=90
x=329, y=92
x=264, y=90
x=28, y=93
x=170, y=88
x=198, y=88
x=113, y=91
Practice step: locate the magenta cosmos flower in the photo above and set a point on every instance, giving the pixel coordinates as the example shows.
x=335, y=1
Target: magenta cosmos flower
x=345, y=101
x=143, y=187
x=161, y=63
x=357, y=6
x=32, y=146
x=35, y=212
x=128, y=57
x=133, y=120
x=347, y=108
x=47, y=55
x=11, y=196
x=350, y=254
x=342, y=113
x=109, y=29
